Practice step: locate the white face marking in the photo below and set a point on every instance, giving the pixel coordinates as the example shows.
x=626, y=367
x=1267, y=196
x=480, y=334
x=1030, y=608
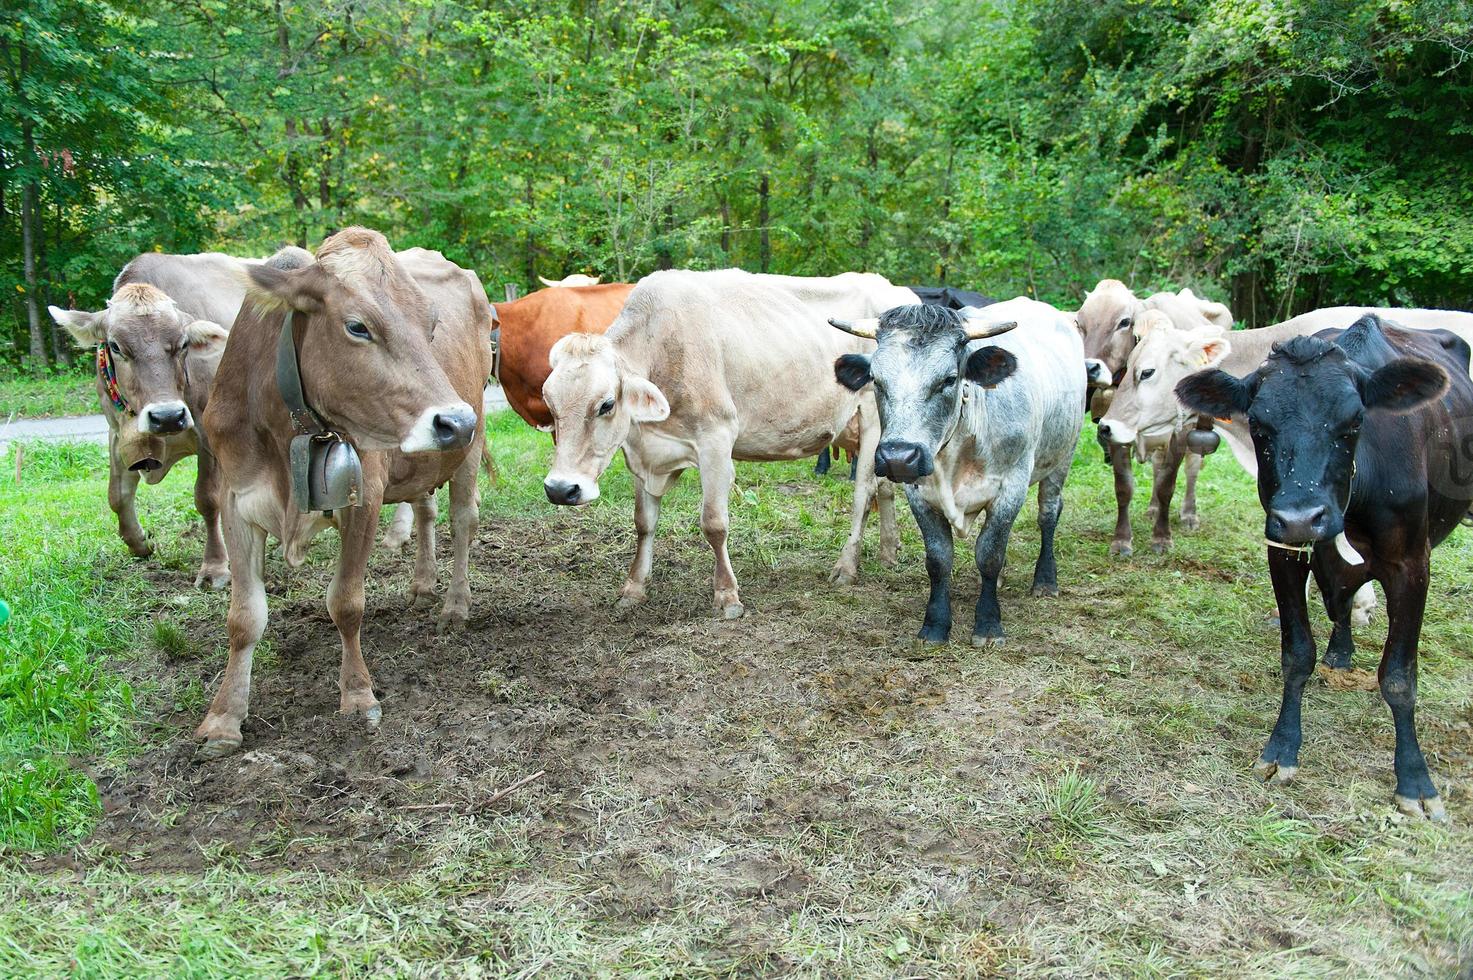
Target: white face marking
x=421, y=438
x=145, y=416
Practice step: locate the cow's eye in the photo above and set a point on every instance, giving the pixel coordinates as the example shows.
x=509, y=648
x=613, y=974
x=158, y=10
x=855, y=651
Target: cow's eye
x=112, y=345
x=946, y=382
x=1147, y=373
x=1125, y=323
x=606, y=407
x=357, y=330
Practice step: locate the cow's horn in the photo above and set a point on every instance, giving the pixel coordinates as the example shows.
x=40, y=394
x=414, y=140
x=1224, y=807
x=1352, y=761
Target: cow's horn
x=866, y=328
x=979, y=328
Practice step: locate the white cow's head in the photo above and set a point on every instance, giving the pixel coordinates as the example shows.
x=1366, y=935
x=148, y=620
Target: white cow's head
x=594, y=398
x=1145, y=408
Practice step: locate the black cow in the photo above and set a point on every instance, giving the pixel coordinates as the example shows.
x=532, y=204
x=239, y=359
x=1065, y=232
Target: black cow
x=1363, y=438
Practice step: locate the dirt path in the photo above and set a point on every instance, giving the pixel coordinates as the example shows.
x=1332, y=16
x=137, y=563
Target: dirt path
x=93, y=428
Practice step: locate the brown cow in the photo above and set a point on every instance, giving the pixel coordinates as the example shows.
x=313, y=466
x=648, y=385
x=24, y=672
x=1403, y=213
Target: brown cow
x=532, y=324
x=393, y=353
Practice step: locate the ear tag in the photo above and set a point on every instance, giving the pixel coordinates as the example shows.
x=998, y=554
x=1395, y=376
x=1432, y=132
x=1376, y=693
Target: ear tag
x=1347, y=550
x=327, y=474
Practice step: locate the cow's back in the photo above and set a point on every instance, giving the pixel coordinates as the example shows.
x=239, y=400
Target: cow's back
x=208, y=286
x=530, y=326
x=1033, y=416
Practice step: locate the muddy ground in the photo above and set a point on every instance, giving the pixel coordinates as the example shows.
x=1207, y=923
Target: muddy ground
x=1081, y=799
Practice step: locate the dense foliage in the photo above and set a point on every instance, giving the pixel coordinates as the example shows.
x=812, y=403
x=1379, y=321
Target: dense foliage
x=1278, y=154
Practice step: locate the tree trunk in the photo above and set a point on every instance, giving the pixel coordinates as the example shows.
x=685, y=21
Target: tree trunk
x=725, y=226
x=28, y=222
x=764, y=240
x=530, y=256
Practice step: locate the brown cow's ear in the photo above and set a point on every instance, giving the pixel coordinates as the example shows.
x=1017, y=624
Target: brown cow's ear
x=277, y=290
x=1404, y=385
x=205, y=337
x=87, y=329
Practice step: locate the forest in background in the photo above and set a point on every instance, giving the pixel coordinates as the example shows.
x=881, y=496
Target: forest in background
x=1276, y=154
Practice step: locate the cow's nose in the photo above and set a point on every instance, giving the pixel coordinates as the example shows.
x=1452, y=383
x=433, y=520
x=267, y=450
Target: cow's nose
x=1104, y=430
x=904, y=462
x=1300, y=525
x=454, y=428
x=167, y=418
x=562, y=492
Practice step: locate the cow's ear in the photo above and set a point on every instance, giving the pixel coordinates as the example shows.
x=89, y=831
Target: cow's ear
x=205, y=337
x=852, y=371
x=1404, y=385
x=277, y=290
x=990, y=366
x=1214, y=393
x=87, y=329
x=1205, y=350
x=645, y=402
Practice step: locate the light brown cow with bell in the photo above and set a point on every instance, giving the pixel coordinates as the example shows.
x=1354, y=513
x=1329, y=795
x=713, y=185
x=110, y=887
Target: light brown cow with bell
x=390, y=353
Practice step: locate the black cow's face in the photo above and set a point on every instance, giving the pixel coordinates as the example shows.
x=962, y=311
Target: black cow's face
x=918, y=372
x=1305, y=406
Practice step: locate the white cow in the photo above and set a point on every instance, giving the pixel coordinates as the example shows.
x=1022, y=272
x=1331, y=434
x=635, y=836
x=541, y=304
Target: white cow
x=703, y=368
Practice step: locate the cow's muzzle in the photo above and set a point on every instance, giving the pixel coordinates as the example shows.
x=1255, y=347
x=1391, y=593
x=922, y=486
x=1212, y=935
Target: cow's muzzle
x=441, y=429
x=903, y=462
x=164, y=418
x=1304, y=524
x=564, y=493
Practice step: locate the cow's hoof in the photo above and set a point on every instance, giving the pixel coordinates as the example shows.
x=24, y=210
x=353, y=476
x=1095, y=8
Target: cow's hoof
x=212, y=579
x=1429, y=808
x=843, y=575
x=370, y=711
x=1274, y=773
x=452, y=620
x=216, y=748
x=394, y=541
x=889, y=558
x=1121, y=549
x=1043, y=590
x=140, y=550
x=629, y=601
x=1190, y=522
x=987, y=640
x=421, y=597
x=733, y=610
x=1161, y=547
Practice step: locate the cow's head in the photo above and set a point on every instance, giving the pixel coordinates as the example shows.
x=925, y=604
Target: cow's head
x=150, y=342
x=1145, y=408
x=1106, y=320
x=366, y=331
x=594, y=398
x=1305, y=406
x=919, y=371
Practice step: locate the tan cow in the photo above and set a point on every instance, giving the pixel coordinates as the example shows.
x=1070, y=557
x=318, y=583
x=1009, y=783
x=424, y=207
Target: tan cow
x=703, y=368
x=393, y=352
x=156, y=346
x=1108, y=322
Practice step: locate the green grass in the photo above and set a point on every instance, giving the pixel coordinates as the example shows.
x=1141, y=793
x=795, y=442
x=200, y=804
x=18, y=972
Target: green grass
x=1078, y=802
x=72, y=392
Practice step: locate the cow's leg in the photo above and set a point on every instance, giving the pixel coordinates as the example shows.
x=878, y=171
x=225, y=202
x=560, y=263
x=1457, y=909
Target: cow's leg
x=245, y=623
x=1363, y=605
x=426, y=575
x=646, y=516
x=122, y=485
x=825, y=458
x=1164, y=468
x=1289, y=572
x=465, y=515
x=356, y=527
x=214, y=570
x=1337, y=596
x=991, y=553
x=718, y=472
x=1406, y=602
x=1189, y=520
x=1050, y=506
x=401, y=527
x=889, y=533
x=846, y=569
x=936, y=533
x=1124, y=490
